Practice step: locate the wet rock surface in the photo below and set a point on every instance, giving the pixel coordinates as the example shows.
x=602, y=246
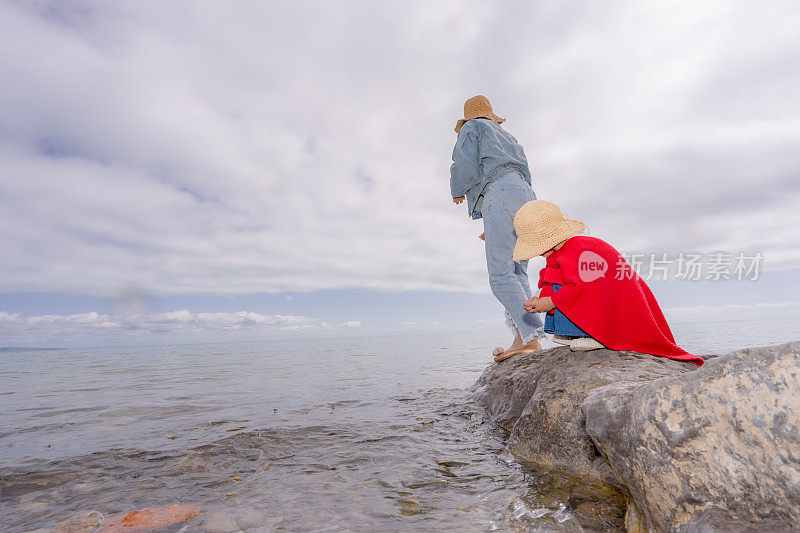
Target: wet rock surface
x=672, y=439
x=717, y=520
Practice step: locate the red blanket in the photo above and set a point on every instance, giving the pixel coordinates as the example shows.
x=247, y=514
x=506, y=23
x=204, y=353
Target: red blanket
x=604, y=297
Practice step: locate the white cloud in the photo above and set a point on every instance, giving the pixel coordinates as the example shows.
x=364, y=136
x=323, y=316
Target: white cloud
x=438, y=324
x=184, y=149
x=60, y=330
x=351, y=324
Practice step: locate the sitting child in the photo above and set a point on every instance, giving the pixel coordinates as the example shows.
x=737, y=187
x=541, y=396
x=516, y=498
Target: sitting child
x=592, y=297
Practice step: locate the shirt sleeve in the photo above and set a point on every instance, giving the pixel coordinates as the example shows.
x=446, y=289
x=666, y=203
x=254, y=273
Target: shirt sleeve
x=464, y=170
x=525, y=168
x=571, y=284
x=571, y=290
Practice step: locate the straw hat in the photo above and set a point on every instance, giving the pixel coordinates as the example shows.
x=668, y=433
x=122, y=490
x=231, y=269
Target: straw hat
x=478, y=107
x=540, y=226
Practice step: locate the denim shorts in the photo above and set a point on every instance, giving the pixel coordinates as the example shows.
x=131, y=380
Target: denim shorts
x=559, y=324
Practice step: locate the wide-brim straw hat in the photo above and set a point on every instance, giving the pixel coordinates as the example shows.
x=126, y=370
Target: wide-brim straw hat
x=478, y=107
x=540, y=225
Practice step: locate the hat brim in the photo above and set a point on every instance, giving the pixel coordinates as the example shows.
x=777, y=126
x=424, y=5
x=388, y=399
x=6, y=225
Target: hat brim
x=528, y=250
x=460, y=123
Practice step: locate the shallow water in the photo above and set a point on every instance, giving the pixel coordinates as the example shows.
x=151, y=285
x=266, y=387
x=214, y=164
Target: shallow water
x=372, y=434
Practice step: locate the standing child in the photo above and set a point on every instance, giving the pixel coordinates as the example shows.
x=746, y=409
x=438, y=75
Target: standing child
x=490, y=169
x=592, y=297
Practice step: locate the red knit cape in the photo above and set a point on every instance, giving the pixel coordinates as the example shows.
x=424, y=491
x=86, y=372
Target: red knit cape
x=615, y=305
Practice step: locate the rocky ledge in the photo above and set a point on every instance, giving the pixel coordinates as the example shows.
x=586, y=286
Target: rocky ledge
x=664, y=444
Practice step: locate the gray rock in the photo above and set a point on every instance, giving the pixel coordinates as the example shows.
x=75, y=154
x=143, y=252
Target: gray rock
x=537, y=398
x=726, y=436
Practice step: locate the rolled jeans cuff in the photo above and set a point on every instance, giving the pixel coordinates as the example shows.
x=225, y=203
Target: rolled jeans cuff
x=512, y=326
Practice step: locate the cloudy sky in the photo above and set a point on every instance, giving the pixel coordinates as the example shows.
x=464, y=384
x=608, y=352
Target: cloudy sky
x=212, y=169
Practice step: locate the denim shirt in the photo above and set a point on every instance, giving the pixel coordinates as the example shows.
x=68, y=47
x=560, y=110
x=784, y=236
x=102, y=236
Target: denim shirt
x=484, y=151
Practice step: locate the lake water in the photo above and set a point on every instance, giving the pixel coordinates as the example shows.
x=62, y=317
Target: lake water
x=357, y=434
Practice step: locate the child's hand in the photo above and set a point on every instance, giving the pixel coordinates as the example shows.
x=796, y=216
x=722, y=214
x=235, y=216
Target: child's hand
x=458, y=199
x=543, y=305
x=539, y=305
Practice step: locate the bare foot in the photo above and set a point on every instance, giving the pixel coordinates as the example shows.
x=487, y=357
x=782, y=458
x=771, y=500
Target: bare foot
x=516, y=345
x=535, y=344
x=501, y=355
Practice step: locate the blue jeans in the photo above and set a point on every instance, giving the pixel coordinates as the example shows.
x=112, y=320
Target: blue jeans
x=508, y=280
x=559, y=324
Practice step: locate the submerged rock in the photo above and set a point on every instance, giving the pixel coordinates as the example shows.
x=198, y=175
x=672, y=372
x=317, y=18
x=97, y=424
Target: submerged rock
x=148, y=519
x=220, y=522
x=142, y=521
x=690, y=449
x=84, y=523
x=726, y=436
